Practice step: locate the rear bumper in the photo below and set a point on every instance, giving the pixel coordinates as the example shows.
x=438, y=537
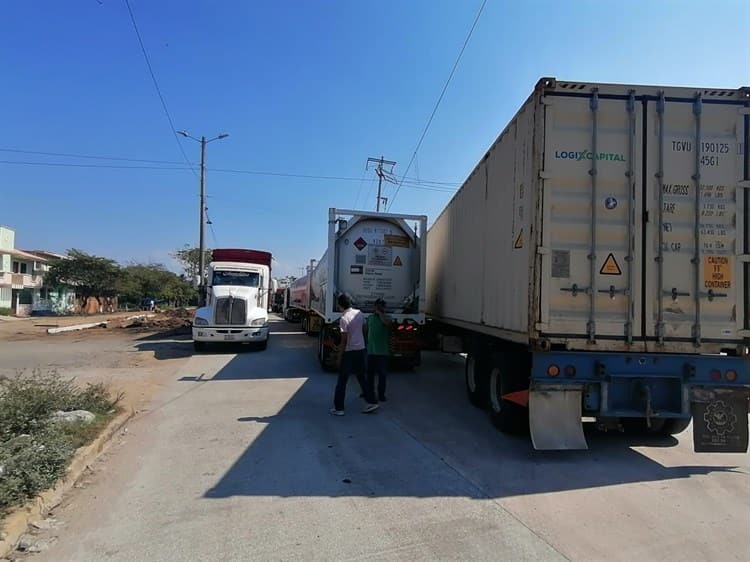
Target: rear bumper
x=639, y=385
x=234, y=334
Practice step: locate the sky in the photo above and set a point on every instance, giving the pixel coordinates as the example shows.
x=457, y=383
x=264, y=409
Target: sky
x=309, y=87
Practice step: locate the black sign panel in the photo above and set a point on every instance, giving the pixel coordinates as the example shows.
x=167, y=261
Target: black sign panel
x=720, y=424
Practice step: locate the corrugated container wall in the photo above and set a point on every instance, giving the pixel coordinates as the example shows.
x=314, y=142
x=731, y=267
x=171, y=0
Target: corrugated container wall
x=603, y=217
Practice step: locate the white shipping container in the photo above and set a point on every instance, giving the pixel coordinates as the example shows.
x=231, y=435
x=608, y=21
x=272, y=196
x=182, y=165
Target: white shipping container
x=604, y=217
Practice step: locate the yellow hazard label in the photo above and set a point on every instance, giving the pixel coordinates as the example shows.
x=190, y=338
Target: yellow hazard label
x=519, y=241
x=717, y=272
x=398, y=241
x=610, y=266
x=397, y=261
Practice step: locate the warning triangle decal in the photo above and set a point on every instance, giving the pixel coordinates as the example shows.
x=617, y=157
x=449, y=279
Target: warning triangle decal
x=610, y=266
x=519, y=241
x=397, y=261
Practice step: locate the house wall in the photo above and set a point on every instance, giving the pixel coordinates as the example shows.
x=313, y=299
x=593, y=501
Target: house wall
x=7, y=242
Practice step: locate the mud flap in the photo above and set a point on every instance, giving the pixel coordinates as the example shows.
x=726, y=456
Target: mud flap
x=555, y=419
x=719, y=420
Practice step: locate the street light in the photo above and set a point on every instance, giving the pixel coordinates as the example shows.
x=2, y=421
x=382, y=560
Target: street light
x=202, y=214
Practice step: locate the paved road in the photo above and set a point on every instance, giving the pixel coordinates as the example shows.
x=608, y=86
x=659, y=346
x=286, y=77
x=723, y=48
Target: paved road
x=238, y=459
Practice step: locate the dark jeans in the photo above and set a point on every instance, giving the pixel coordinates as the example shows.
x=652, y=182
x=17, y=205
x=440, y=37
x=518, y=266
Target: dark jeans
x=352, y=362
x=377, y=365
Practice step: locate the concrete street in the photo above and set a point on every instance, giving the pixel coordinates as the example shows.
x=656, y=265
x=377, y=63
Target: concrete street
x=237, y=458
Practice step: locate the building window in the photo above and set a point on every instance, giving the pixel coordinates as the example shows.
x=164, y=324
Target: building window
x=16, y=266
x=20, y=267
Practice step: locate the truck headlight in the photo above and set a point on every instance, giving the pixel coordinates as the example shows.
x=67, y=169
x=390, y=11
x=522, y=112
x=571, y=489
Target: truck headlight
x=200, y=322
x=258, y=322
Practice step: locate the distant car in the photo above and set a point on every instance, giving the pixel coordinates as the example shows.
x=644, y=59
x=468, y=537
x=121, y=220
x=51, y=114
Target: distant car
x=148, y=304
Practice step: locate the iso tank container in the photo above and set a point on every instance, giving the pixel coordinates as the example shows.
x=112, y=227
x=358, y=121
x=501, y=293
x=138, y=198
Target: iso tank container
x=604, y=217
x=372, y=256
x=299, y=293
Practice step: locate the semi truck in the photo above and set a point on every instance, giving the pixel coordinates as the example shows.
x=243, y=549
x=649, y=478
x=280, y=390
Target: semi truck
x=606, y=231
x=238, y=284
x=369, y=256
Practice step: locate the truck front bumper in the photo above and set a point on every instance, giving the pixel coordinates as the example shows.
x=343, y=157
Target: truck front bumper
x=233, y=334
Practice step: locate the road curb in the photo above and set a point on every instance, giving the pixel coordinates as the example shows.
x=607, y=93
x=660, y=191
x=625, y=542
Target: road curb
x=17, y=522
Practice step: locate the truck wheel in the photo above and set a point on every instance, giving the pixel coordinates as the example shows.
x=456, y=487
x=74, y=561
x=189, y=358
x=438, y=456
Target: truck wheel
x=638, y=426
x=477, y=379
x=263, y=345
x=673, y=426
x=199, y=346
x=507, y=416
x=324, y=353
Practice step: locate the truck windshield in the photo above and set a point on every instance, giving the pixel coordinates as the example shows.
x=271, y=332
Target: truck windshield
x=241, y=278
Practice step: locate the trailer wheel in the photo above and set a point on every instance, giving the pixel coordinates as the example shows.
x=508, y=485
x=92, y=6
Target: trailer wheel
x=673, y=426
x=477, y=379
x=507, y=416
x=324, y=353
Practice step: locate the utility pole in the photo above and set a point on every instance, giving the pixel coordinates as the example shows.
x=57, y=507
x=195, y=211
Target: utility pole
x=202, y=212
x=386, y=175
x=202, y=217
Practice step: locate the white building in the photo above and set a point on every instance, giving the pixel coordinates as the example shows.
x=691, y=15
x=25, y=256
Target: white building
x=22, y=289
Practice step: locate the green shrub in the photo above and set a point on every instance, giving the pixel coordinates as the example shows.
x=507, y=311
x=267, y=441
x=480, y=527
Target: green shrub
x=34, y=450
x=6, y=311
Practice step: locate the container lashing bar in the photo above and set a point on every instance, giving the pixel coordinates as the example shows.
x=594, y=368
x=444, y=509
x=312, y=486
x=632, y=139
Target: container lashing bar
x=630, y=175
x=697, y=110
x=660, y=251
x=591, y=326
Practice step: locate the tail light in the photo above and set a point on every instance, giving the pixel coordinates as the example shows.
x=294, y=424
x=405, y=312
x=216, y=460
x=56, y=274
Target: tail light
x=400, y=327
x=553, y=370
x=731, y=375
x=715, y=375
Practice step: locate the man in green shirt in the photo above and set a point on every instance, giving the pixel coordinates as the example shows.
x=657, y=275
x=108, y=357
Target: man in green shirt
x=378, y=327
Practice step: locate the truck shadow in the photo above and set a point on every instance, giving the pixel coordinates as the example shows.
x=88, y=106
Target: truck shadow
x=427, y=441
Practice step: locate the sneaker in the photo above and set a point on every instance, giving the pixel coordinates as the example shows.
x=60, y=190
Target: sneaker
x=335, y=412
x=370, y=408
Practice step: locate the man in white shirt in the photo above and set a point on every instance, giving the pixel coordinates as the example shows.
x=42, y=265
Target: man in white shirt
x=354, y=356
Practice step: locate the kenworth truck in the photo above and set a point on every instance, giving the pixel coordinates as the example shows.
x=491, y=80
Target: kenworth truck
x=238, y=285
x=606, y=235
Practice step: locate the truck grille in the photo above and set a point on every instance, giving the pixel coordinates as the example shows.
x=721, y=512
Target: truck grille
x=230, y=310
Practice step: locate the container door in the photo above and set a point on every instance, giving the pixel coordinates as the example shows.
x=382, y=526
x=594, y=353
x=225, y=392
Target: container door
x=697, y=229
x=591, y=197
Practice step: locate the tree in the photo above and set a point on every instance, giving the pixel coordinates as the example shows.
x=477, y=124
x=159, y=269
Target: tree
x=189, y=259
x=153, y=280
x=89, y=275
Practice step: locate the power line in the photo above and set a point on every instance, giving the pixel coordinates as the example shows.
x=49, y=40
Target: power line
x=406, y=183
x=156, y=85
x=417, y=181
x=73, y=165
x=88, y=156
x=440, y=99
x=359, y=191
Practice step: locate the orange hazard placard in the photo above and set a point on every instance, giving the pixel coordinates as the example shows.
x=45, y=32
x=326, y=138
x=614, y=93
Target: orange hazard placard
x=610, y=266
x=717, y=272
x=397, y=261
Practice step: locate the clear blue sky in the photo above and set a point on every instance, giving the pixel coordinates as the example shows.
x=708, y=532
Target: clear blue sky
x=310, y=87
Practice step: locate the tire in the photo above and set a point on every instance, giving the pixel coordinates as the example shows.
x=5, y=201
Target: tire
x=507, y=416
x=324, y=353
x=263, y=345
x=476, y=375
x=664, y=427
x=639, y=426
x=674, y=426
x=199, y=346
